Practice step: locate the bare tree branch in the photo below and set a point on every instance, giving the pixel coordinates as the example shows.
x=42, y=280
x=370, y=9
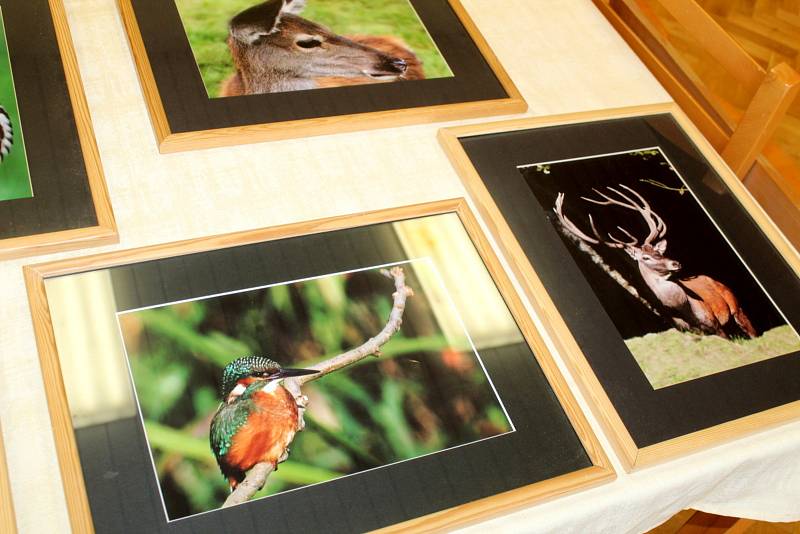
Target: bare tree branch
x=257, y=476
x=373, y=345
x=254, y=481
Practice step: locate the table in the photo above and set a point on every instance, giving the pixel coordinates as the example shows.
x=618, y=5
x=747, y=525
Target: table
x=563, y=56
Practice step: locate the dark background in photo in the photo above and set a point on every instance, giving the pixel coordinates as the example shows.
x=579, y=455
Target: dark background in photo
x=692, y=238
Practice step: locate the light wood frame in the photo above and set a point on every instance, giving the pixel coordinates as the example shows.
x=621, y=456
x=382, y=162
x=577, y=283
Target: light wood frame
x=105, y=232
x=66, y=448
x=8, y=521
x=631, y=456
x=169, y=141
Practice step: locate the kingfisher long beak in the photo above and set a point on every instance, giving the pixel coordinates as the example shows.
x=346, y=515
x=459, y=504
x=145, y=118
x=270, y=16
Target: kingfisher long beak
x=286, y=373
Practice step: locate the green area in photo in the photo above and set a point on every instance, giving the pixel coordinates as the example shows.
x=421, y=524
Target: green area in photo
x=426, y=392
x=15, y=181
x=206, y=24
x=671, y=357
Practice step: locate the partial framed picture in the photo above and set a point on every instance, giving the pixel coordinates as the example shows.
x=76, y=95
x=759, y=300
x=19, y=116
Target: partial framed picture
x=52, y=191
x=8, y=520
x=341, y=375
x=222, y=72
x=673, y=296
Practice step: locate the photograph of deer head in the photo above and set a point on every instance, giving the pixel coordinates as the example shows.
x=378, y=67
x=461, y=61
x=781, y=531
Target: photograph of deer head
x=679, y=294
x=244, y=47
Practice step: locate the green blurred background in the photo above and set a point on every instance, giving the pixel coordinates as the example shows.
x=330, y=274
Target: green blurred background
x=424, y=394
x=15, y=179
x=206, y=24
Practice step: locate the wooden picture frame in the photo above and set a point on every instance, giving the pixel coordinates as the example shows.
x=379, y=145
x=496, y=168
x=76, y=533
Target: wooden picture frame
x=8, y=520
x=489, y=183
x=247, y=119
x=70, y=207
x=596, y=469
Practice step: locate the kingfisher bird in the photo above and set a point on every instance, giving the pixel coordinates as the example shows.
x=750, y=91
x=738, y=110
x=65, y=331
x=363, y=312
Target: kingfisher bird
x=257, y=419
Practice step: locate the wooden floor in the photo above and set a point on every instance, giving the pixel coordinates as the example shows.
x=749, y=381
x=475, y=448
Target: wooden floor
x=693, y=522
x=769, y=30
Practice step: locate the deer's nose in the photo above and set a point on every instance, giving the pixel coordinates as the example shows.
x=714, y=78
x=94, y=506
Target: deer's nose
x=675, y=265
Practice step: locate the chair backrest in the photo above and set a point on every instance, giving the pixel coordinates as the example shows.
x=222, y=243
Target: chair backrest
x=739, y=137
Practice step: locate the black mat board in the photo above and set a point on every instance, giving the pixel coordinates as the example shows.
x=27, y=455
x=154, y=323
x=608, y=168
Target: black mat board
x=62, y=199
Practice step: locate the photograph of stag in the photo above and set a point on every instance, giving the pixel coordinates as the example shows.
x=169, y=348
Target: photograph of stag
x=675, y=289
x=246, y=48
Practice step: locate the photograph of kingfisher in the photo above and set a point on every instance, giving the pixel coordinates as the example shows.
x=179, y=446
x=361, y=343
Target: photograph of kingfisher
x=257, y=419
x=213, y=380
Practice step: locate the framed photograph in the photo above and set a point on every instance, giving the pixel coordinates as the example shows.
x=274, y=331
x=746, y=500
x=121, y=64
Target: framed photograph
x=224, y=72
x=52, y=191
x=671, y=294
x=339, y=375
x=8, y=521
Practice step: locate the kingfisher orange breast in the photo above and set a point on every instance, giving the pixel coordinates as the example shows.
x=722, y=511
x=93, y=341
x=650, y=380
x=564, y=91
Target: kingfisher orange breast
x=269, y=430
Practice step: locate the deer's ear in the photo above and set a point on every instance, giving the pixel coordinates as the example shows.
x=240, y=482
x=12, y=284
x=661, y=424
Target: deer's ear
x=293, y=6
x=256, y=22
x=661, y=246
x=631, y=252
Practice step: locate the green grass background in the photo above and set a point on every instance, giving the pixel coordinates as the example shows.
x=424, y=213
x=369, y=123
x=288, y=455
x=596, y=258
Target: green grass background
x=15, y=181
x=673, y=357
x=206, y=24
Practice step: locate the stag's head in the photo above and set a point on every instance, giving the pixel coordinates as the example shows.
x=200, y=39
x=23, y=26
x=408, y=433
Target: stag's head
x=648, y=251
x=272, y=36
x=652, y=257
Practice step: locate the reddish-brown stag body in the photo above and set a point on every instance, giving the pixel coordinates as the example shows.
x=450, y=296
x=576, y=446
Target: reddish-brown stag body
x=276, y=50
x=697, y=303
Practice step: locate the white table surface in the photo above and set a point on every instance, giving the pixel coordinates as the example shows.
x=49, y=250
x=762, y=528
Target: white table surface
x=563, y=56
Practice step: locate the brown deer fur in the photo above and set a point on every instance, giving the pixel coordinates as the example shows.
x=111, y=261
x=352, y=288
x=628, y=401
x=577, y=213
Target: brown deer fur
x=275, y=50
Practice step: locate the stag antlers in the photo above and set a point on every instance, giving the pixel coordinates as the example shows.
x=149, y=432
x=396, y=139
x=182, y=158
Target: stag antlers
x=657, y=226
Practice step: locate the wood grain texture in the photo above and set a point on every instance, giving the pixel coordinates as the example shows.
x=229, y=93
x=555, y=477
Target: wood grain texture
x=631, y=456
x=716, y=41
x=106, y=231
x=169, y=142
x=741, y=139
x=66, y=449
x=8, y=521
x=77, y=503
x=761, y=119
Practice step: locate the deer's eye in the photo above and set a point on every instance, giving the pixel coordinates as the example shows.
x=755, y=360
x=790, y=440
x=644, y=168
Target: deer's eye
x=308, y=43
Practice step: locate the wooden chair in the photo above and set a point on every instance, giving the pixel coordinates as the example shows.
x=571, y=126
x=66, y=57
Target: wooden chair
x=740, y=137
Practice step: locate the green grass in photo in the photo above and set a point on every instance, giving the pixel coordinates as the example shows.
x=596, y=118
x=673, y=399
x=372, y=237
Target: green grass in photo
x=672, y=357
x=206, y=24
x=15, y=181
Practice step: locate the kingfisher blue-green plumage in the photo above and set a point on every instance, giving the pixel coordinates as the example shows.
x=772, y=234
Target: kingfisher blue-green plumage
x=257, y=419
